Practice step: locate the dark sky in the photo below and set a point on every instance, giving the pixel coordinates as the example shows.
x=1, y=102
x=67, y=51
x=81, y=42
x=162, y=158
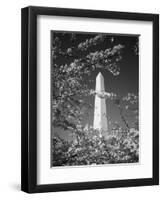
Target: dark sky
x=125, y=82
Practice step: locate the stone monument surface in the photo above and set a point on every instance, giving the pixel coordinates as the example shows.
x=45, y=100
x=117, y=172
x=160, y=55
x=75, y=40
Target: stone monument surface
x=100, y=114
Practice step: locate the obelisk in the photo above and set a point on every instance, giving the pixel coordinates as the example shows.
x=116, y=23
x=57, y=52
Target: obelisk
x=100, y=115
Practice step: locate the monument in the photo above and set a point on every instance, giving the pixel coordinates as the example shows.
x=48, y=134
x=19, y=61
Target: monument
x=100, y=115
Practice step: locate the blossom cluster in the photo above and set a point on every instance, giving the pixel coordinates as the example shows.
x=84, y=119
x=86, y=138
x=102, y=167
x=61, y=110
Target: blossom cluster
x=105, y=95
x=131, y=97
x=83, y=46
x=90, y=148
x=71, y=51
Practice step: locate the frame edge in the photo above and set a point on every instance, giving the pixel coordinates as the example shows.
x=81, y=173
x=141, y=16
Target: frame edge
x=24, y=99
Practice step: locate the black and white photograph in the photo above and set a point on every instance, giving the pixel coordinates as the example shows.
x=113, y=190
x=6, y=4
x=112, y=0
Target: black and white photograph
x=94, y=98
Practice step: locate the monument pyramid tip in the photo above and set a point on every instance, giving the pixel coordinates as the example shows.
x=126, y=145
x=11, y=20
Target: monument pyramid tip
x=99, y=74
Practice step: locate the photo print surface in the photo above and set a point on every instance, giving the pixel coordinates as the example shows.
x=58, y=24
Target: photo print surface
x=94, y=98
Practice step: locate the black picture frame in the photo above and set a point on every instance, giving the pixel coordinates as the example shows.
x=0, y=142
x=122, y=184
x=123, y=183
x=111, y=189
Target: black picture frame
x=29, y=99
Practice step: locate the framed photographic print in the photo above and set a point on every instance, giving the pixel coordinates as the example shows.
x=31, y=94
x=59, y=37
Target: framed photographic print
x=90, y=99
